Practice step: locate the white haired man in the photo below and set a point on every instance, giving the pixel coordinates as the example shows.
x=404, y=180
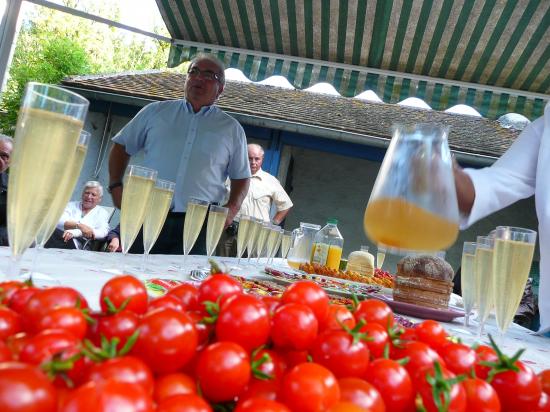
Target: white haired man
x=82, y=220
x=6, y=147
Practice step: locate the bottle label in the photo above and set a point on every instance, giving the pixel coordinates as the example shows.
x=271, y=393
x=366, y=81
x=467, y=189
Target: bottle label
x=320, y=253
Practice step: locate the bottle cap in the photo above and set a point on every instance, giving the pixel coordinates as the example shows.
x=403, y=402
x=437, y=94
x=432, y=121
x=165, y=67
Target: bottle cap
x=364, y=248
x=332, y=220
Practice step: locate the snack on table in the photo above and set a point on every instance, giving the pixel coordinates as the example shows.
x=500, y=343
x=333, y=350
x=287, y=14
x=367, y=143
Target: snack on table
x=424, y=280
x=380, y=278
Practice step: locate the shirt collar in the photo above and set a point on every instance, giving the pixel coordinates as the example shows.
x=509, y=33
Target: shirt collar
x=203, y=110
x=259, y=174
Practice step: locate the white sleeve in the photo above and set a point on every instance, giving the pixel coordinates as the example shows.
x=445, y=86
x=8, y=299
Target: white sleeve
x=101, y=228
x=510, y=178
x=67, y=215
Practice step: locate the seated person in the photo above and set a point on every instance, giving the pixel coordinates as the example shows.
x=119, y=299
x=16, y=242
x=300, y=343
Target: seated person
x=81, y=221
x=6, y=147
x=114, y=240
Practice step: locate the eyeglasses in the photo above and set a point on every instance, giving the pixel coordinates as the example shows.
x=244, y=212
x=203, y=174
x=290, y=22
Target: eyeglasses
x=205, y=74
x=5, y=156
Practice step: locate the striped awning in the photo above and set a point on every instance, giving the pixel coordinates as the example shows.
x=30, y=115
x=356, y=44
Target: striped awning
x=490, y=54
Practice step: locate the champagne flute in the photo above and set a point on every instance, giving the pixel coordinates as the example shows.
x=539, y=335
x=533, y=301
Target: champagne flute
x=245, y=225
x=484, y=272
x=262, y=239
x=514, y=249
x=253, y=237
x=155, y=216
x=214, y=227
x=46, y=136
x=194, y=220
x=468, y=279
x=286, y=242
x=63, y=194
x=274, y=242
x=380, y=256
x=138, y=185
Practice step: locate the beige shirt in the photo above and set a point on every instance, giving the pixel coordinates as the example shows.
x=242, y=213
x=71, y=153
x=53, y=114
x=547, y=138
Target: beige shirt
x=264, y=191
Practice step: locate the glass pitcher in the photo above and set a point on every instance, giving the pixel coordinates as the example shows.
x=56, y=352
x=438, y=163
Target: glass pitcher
x=302, y=242
x=413, y=205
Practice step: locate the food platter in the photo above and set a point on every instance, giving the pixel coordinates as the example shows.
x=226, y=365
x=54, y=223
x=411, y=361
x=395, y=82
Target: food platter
x=422, y=312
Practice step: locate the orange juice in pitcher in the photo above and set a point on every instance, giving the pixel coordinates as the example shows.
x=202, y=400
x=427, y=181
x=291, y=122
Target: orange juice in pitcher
x=327, y=246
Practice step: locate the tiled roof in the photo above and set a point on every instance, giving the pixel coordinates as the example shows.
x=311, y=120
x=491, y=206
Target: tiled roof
x=473, y=135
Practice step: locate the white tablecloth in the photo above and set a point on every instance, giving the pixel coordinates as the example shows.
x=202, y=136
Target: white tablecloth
x=88, y=271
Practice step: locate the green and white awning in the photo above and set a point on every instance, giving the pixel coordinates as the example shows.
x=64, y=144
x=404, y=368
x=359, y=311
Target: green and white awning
x=490, y=54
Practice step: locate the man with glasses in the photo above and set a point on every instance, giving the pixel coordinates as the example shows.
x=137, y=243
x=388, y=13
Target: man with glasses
x=189, y=141
x=6, y=147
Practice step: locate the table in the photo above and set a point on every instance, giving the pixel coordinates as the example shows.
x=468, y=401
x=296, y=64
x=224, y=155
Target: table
x=87, y=271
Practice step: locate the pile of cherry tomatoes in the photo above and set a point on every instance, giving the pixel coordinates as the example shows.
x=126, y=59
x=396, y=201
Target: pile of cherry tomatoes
x=216, y=348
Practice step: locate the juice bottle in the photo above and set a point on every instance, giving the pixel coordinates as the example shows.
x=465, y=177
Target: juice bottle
x=327, y=246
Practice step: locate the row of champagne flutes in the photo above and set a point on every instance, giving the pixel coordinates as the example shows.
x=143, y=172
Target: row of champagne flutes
x=494, y=273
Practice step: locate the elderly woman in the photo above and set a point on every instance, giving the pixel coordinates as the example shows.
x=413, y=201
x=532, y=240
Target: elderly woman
x=82, y=220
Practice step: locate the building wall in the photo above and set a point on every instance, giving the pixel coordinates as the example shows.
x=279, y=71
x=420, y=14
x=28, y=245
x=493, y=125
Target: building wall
x=323, y=184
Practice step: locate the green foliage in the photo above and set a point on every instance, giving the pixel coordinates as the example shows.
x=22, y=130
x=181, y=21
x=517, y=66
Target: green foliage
x=52, y=45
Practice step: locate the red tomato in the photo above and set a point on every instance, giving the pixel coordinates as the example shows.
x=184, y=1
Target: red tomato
x=23, y=388
x=173, y=384
x=361, y=393
x=261, y=405
x=544, y=403
x=377, y=339
x=345, y=406
x=272, y=303
x=394, y=384
x=244, y=320
x=293, y=357
x=376, y=311
x=216, y=288
x=294, y=326
x=71, y=320
x=20, y=297
x=459, y=358
x=337, y=351
x=5, y=352
x=124, y=290
x=120, y=325
x=420, y=355
x=338, y=315
x=17, y=342
x=457, y=394
x=204, y=330
x=10, y=323
x=261, y=389
x=309, y=294
x=184, y=403
x=46, y=299
x=126, y=369
x=44, y=345
x=223, y=371
x=431, y=333
x=8, y=288
x=518, y=391
x=481, y=397
x=273, y=366
x=408, y=334
x=484, y=353
x=167, y=340
x=166, y=301
x=544, y=378
x=106, y=396
x=310, y=387
x=187, y=294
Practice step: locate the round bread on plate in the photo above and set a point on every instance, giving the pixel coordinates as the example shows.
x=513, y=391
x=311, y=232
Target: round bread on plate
x=424, y=280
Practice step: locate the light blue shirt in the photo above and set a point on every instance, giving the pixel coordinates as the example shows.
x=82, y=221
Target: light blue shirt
x=198, y=151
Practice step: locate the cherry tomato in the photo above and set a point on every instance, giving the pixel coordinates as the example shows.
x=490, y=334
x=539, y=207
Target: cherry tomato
x=23, y=388
x=431, y=333
x=309, y=294
x=341, y=354
x=124, y=290
x=376, y=311
x=430, y=398
x=294, y=326
x=310, y=387
x=244, y=320
x=44, y=345
x=166, y=301
x=223, y=371
x=46, y=299
x=108, y=395
x=20, y=297
x=120, y=325
x=261, y=405
x=394, y=384
x=71, y=320
x=272, y=303
x=484, y=353
x=273, y=366
x=518, y=390
x=217, y=288
x=8, y=288
x=337, y=316
x=459, y=358
x=128, y=369
x=293, y=357
x=345, y=406
x=10, y=323
x=377, y=339
x=544, y=378
x=481, y=397
x=420, y=355
x=361, y=393
x=167, y=340
x=184, y=403
x=261, y=389
x=544, y=403
x=5, y=352
x=187, y=294
x=204, y=330
x=173, y=384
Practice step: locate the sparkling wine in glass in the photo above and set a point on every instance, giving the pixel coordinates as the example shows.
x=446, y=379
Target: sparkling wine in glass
x=380, y=256
x=46, y=136
x=484, y=272
x=155, y=215
x=513, y=256
x=286, y=242
x=468, y=279
x=255, y=229
x=138, y=185
x=214, y=227
x=194, y=220
x=245, y=225
x=274, y=242
x=262, y=239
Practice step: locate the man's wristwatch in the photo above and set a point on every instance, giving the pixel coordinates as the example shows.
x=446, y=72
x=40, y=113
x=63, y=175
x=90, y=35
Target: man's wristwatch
x=113, y=186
